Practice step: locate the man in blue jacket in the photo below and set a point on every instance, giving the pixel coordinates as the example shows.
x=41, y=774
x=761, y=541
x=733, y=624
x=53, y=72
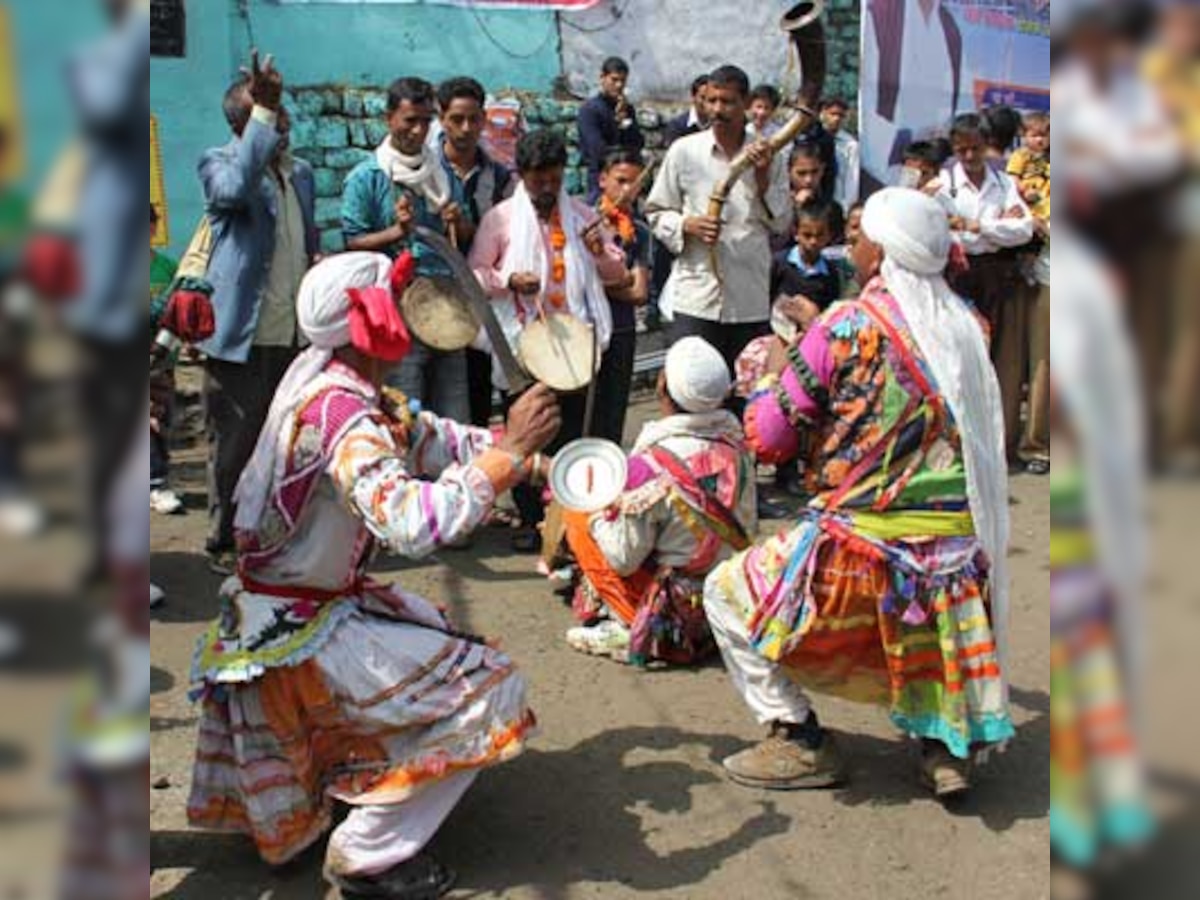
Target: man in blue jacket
x=260, y=204
x=606, y=122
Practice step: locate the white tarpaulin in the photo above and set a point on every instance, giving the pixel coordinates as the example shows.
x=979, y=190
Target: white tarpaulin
x=667, y=43
x=478, y=4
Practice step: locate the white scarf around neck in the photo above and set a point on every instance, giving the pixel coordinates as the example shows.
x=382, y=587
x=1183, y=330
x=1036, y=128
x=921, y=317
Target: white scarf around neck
x=422, y=173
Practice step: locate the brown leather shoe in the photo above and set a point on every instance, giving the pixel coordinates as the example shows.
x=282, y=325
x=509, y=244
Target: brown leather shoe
x=946, y=775
x=781, y=763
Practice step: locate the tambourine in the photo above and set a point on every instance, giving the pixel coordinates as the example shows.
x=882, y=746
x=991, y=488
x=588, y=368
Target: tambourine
x=559, y=350
x=437, y=310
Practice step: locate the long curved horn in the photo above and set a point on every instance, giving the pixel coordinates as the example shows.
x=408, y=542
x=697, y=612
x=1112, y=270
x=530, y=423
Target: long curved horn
x=803, y=23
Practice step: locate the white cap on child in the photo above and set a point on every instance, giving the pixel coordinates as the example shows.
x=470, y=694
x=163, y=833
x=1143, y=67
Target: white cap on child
x=698, y=378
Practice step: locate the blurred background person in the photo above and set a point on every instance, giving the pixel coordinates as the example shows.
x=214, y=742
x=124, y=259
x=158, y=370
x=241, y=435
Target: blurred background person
x=760, y=117
x=20, y=516
x=834, y=111
x=1123, y=163
x=1098, y=560
x=109, y=86
x=1172, y=66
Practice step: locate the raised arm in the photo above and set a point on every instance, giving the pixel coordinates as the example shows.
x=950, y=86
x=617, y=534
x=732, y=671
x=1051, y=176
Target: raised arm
x=229, y=180
x=411, y=516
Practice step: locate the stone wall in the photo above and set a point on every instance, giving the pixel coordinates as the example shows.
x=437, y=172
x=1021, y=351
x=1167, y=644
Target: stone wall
x=337, y=128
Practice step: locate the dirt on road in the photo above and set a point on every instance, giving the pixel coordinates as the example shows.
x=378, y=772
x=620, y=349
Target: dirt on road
x=621, y=794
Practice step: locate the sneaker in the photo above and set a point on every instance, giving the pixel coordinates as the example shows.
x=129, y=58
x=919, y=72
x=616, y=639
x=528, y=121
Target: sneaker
x=785, y=762
x=157, y=595
x=20, y=517
x=608, y=638
x=946, y=775
x=1037, y=467
x=165, y=501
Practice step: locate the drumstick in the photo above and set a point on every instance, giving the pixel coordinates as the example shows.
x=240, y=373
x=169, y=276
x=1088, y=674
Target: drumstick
x=591, y=478
x=452, y=233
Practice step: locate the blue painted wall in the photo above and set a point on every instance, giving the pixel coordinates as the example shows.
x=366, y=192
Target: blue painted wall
x=364, y=45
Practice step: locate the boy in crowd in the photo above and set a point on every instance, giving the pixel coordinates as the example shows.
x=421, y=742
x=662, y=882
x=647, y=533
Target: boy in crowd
x=619, y=181
x=922, y=166
x=993, y=225
x=833, y=112
x=764, y=101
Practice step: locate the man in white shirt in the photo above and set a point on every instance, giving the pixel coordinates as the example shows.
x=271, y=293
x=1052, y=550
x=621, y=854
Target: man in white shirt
x=833, y=113
x=729, y=307
x=992, y=223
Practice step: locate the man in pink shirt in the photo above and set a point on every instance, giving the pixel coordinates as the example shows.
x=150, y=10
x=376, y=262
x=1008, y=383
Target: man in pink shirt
x=542, y=251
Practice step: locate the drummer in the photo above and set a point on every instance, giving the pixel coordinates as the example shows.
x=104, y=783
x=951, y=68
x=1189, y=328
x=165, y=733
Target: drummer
x=540, y=253
x=689, y=505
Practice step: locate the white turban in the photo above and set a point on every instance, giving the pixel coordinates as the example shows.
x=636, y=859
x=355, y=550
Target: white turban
x=323, y=314
x=322, y=307
x=914, y=233
x=698, y=378
x=911, y=228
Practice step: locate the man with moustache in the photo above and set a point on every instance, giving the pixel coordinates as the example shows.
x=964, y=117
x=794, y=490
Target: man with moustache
x=542, y=251
x=733, y=307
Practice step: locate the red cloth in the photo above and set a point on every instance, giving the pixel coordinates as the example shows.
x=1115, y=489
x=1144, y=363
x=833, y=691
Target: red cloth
x=376, y=326
x=189, y=316
x=51, y=267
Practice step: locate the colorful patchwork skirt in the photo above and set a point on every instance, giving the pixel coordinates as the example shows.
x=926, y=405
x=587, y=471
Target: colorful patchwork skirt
x=903, y=624
x=363, y=700
x=1097, y=790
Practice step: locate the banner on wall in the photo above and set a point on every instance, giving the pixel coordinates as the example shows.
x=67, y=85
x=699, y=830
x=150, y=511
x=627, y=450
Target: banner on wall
x=10, y=106
x=158, y=192
x=925, y=62
x=477, y=4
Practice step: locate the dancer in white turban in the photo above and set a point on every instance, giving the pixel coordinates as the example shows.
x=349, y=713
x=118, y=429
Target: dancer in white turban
x=892, y=588
x=319, y=684
x=689, y=504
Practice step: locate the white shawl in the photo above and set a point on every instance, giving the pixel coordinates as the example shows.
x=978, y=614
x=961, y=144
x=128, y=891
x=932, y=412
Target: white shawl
x=586, y=299
x=422, y=173
x=915, y=236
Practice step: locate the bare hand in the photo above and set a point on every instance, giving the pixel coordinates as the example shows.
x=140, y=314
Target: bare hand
x=266, y=84
x=799, y=309
x=533, y=422
x=706, y=228
x=804, y=196
x=1014, y=212
x=777, y=358
x=593, y=238
x=452, y=214
x=524, y=283
x=405, y=216
x=759, y=153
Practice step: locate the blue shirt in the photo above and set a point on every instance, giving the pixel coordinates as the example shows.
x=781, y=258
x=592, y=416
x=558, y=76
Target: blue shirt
x=369, y=206
x=791, y=275
x=485, y=186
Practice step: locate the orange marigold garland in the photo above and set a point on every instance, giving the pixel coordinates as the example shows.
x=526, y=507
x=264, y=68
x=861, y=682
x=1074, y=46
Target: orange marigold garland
x=619, y=220
x=558, y=270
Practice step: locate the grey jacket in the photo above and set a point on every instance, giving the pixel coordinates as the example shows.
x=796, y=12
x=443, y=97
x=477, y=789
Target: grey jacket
x=242, y=207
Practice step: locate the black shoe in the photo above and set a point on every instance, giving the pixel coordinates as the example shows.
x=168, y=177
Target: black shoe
x=771, y=512
x=421, y=878
x=1038, y=467
x=527, y=540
